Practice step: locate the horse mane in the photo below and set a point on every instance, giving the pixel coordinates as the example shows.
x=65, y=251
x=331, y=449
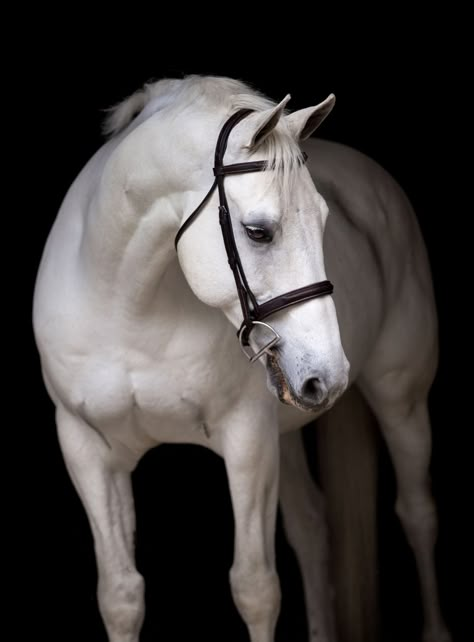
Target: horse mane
x=180, y=93
x=279, y=148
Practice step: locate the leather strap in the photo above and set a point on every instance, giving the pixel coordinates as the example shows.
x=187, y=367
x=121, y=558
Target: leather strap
x=295, y=296
x=283, y=301
x=194, y=215
x=240, y=168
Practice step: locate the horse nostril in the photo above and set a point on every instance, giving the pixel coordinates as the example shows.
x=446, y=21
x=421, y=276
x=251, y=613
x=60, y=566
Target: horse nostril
x=314, y=389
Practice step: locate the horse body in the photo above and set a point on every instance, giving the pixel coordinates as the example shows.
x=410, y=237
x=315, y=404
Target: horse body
x=129, y=374
x=133, y=358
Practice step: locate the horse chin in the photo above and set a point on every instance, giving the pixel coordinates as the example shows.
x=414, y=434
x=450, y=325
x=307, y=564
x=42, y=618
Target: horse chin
x=279, y=386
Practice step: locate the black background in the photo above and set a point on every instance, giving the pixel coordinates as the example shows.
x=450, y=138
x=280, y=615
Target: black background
x=399, y=102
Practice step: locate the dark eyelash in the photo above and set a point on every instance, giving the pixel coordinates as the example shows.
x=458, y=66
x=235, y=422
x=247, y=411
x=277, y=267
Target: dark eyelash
x=258, y=233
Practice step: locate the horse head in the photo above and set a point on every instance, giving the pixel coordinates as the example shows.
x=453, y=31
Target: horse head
x=273, y=241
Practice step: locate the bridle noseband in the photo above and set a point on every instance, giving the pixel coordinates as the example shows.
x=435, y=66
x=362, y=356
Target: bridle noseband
x=253, y=312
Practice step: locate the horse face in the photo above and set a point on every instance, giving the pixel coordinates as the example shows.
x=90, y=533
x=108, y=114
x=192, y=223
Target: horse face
x=279, y=237
x=281, y=247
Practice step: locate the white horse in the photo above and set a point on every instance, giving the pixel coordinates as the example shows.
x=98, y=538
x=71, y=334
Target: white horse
x=137, y=348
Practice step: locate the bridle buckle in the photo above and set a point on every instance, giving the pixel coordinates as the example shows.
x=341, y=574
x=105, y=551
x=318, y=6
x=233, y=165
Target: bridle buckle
x=266, y=348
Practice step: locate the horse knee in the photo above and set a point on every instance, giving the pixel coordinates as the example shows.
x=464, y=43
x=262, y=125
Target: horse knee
x=121, y=601
x=256, y=594
x=306, y=528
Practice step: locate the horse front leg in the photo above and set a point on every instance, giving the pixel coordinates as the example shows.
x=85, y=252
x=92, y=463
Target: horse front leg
x=304, y=521
x=106, y=495
x=251, y=453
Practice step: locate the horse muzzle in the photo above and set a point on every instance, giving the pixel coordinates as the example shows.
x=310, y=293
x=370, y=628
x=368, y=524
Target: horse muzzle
x=312, y=394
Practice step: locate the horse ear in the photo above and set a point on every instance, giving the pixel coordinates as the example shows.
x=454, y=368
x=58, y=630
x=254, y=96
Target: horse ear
x=263, y=123
x=304, y=122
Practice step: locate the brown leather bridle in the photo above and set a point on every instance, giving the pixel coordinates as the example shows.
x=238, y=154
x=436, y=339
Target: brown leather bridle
x=253, y=312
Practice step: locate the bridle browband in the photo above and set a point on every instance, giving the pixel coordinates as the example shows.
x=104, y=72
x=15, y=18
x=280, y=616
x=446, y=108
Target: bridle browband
x=253, y=312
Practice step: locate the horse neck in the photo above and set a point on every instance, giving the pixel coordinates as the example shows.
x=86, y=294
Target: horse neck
x=151, y=179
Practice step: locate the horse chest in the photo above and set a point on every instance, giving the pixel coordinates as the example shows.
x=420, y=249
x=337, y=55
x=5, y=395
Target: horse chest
x=142, y=401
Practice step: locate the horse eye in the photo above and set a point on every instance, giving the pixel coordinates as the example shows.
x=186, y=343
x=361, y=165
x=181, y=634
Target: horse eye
x=258, y=233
